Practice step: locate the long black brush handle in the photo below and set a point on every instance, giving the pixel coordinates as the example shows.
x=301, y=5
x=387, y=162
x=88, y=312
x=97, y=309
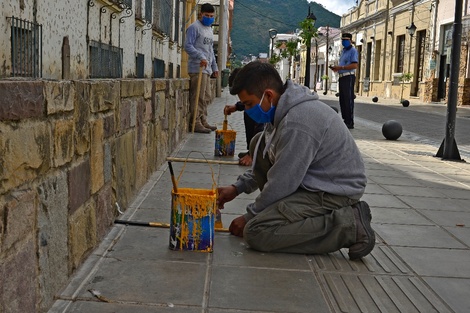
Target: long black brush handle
x=173, y=180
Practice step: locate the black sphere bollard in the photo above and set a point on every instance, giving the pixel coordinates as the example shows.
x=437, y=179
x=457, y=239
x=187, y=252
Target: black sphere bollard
x=337, y=94
x=375, y=99
x=405, y=103
x=324, y=92
x=392, y=130
x=354, y=97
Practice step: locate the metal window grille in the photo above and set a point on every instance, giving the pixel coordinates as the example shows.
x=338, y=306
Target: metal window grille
x=420, y=55
x=128, y=3
x=162, y=16
x=138, y=9
x=148, y=10
x=400, y=54
x=26, y=48
x=139, y=65
x=105, y=61
x=158, y=68
x=170, y=70
x=176, y=36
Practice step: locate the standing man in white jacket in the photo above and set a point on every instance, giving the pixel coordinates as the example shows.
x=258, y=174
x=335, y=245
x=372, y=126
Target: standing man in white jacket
x=199, y=46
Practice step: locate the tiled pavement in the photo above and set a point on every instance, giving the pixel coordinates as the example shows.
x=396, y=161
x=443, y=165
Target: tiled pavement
x=421, y=262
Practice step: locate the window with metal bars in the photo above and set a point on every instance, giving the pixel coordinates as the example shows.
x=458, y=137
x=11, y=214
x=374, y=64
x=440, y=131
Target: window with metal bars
x=163, y=12
x=400, y=61
x=26, y=48
x=139, y=65
x=158, y=68
x=105, y=60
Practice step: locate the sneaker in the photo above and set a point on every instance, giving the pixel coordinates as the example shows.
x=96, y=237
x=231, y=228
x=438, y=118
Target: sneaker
x=206, y=125
x=199, y=128
x=365, y=235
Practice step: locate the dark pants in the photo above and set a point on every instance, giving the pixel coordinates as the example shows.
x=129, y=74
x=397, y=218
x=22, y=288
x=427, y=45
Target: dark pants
x=304, y=222
x=251, y=128
x=346, y=98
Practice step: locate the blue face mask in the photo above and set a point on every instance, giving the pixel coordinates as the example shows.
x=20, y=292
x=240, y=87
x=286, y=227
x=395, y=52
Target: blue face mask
x=260, y=116
x=346, y=43
x=207, y=21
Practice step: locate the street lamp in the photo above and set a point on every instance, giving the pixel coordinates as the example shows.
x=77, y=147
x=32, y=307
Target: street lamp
x=411, y=29
x=272, y=35
x=313, y=19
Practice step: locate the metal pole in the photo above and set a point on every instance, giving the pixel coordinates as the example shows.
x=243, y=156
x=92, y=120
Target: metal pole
x=448, y=149
x=327, y=53
x=222, y=56
x=272, y=47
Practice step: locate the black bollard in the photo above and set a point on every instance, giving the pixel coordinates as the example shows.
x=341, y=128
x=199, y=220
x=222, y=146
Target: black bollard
x=375, y=99
x=392, y=130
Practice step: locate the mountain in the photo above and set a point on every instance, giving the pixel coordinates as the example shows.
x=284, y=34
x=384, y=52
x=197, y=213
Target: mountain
x=252, y=20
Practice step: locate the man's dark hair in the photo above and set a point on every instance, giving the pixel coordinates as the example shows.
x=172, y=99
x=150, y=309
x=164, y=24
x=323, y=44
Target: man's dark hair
x=255, y=78
x=232, y=76
x=207, y=7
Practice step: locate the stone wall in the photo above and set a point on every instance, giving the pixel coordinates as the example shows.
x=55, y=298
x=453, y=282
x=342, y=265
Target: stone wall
x=69, y=151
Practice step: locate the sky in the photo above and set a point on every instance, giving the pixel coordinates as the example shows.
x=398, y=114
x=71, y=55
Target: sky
x=337, y=6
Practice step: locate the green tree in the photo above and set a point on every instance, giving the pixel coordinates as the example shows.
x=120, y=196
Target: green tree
x=289, y=49
x=307, y=33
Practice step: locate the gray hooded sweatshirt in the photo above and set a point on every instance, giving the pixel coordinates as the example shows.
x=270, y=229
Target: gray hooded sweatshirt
x=309, y=147
x=199, y=46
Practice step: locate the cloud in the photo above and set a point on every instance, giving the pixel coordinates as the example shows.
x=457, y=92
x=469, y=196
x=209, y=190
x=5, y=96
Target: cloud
x=337, y=6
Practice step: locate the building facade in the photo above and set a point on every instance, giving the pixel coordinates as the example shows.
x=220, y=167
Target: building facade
x=81, y=39
x=398, y=38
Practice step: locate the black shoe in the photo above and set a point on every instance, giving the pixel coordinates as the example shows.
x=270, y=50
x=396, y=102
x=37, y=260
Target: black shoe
x=242, y=154
x=350, y=126
x=365, y=235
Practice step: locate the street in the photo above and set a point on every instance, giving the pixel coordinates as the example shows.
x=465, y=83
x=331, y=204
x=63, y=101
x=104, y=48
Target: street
x=425, y=121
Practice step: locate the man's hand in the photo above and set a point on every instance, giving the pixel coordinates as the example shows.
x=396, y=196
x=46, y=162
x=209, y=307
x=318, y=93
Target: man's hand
x=229, y=109
x=237, y=226
x=203, y=63
x=225, y=194
x=215, y=74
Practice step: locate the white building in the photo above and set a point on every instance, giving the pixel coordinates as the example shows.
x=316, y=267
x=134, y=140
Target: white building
x=81, y=39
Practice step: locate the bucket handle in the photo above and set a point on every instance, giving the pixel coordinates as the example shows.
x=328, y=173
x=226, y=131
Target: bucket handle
x=184, y=166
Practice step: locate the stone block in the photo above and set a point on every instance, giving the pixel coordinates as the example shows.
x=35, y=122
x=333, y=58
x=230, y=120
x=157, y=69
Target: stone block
x=52, y=237
x=132, y=88
x=109, y=128
x=82, y=117
x=160, y=85
x=19, y=217
x=82, y=234
x=104, y=95
x=24, y=153
x=152, y=150
x=59, y=96
x=105, y=211
x=20, y=100
x=97, y=156
x=127, y=113
x=142, y=172
x=63, y=147
x=148, y=111
x=140, y=113
x=79, y=185
x=148, y=85
x=18, y=288
x=125, y=167
x=108, y=163
x=160, y=104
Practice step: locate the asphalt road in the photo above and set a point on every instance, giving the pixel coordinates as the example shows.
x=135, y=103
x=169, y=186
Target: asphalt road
x=427, y=121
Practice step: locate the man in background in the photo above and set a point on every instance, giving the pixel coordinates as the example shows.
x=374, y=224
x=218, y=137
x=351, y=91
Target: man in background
x=347, y=77
x=199, y=46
